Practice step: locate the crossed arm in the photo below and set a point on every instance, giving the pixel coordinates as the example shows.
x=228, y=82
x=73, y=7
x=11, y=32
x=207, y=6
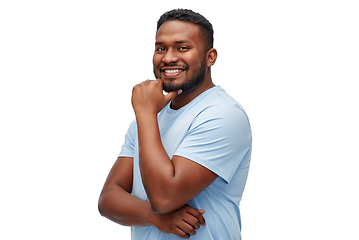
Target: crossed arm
x=117, y=204
x=169, y=183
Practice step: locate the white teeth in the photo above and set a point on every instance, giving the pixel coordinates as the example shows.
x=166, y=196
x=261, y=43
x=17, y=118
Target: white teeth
x=172, y=71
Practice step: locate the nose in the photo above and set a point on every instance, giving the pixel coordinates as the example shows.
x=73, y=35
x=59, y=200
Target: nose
x=170, y=57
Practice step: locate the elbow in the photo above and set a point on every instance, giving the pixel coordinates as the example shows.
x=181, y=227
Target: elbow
x=102, y=206
x=160, y=209
x=162, y=206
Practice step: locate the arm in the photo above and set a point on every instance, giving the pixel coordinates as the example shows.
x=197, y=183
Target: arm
x=169, y=183
x=117, y=204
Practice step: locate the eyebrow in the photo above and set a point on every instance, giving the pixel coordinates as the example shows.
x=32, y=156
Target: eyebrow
x=177, y=42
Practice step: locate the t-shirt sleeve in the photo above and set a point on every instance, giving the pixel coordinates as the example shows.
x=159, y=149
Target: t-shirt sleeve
x=218, y=139
x=128, y=148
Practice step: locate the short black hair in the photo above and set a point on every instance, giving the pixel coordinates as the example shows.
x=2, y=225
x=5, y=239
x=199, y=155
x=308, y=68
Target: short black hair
x=187, y=15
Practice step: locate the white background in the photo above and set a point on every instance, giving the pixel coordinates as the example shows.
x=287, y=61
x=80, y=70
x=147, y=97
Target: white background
x=67, y=69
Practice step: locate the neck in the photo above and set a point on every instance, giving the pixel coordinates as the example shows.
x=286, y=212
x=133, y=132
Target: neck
x=186, y=97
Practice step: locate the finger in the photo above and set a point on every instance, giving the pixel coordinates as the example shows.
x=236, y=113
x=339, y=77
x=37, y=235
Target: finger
x=192, y=221
x=180, y=233
x=159, y=80
x=187, y=228
x=197, y=214
x=171, y=95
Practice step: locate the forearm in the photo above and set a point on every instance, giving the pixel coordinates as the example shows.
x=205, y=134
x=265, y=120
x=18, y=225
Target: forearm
x=156, y=167
x=169, y=183
x=123, y=208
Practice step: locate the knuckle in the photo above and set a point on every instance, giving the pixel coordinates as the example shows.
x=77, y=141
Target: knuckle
x=184, y=235
x=134, y=89
x=172, y=226
x=192, y=232
x=197, y=225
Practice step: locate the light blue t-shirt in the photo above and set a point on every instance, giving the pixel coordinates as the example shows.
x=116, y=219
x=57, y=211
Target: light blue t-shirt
x=212, y=130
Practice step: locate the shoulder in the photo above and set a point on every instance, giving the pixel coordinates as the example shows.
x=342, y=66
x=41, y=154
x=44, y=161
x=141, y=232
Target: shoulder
x=218, y=105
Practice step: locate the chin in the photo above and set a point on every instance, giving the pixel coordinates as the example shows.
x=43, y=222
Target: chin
x=168, y=87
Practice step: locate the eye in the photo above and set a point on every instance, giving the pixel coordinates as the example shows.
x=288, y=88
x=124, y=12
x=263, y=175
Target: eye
x=183, y=48
x=160, y=49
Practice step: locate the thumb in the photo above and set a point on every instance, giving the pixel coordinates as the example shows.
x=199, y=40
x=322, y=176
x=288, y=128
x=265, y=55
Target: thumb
x=172, y=95
x=201, y=211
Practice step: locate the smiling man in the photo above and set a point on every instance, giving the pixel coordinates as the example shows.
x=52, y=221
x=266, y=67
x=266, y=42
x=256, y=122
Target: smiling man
x=184, y=164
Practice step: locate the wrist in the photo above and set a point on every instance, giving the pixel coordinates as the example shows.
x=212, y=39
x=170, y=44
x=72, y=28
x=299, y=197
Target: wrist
x=145, y=115
x=150, y=216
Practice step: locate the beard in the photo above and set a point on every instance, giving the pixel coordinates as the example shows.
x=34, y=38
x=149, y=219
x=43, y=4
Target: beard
x=199, y=75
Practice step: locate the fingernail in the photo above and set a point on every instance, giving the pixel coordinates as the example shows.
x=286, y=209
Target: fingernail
x=179, y=91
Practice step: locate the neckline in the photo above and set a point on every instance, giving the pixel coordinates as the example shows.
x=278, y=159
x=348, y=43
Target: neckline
x=172, y=111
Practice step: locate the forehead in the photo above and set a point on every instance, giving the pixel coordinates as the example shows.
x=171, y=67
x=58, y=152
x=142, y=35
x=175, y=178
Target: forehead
x=174, y=31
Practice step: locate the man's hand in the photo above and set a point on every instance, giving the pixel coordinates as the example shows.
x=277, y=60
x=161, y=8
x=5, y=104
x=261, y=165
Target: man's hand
x=147, y=97
x=183, y=222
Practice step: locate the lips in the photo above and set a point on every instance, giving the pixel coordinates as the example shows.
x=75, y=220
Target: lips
x=171, y=72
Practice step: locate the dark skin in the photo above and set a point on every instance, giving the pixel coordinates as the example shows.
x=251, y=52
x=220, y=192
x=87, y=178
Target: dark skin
x=169, y=183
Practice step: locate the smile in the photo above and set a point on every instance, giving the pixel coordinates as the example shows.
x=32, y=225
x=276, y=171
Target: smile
x=173, y=70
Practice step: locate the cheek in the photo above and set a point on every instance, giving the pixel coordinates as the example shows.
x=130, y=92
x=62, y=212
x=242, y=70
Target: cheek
x=194, y=66
x=155, y=64
x=194, y=59
x=156, y=59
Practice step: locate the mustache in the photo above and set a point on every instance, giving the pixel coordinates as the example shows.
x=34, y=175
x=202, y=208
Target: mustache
x=174, y=65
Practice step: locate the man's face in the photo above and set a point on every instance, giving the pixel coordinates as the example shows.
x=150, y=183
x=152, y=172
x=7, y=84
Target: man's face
x=179, y=58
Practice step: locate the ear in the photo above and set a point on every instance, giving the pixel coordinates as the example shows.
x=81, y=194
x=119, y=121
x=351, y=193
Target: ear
x=211, y=57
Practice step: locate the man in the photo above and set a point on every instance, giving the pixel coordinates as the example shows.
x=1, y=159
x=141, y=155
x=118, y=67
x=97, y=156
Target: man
x=187, y=154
